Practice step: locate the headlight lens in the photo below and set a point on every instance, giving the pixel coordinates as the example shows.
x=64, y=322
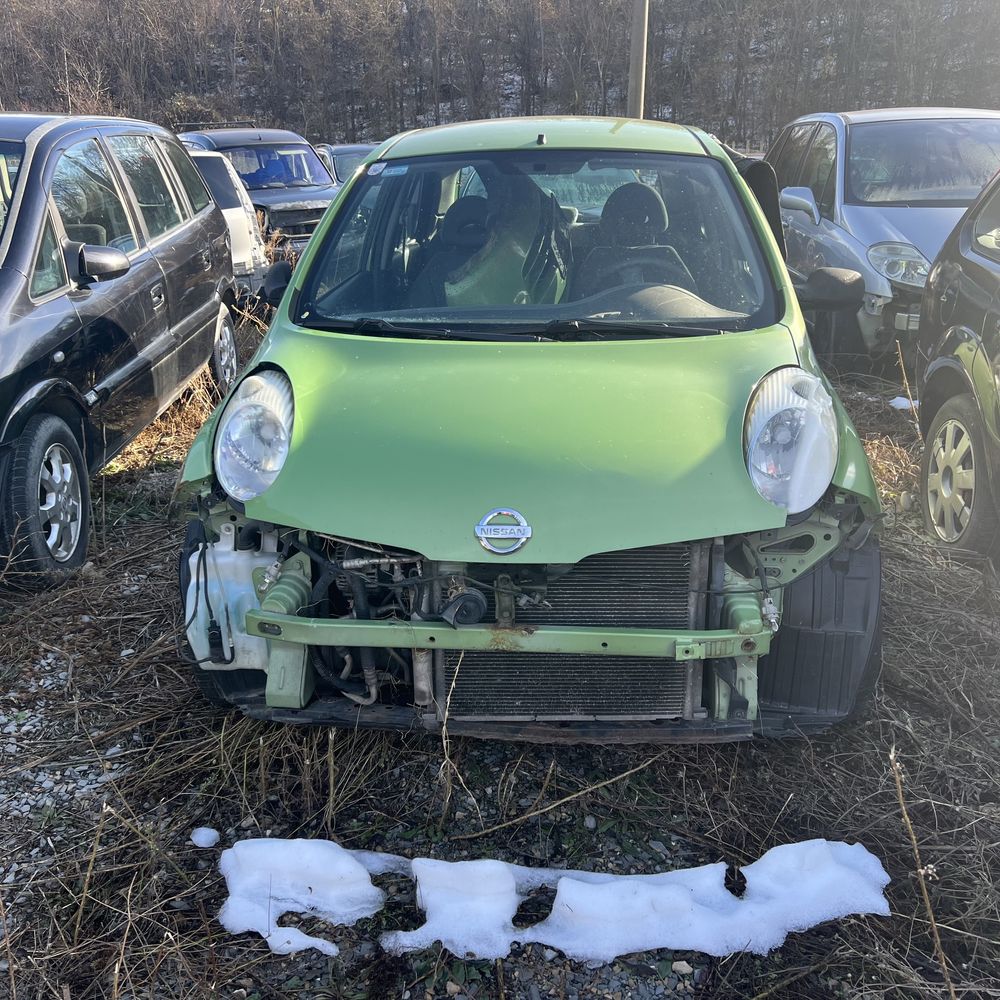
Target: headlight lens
x=251, y=443
x=791, y=439
x=900, y=262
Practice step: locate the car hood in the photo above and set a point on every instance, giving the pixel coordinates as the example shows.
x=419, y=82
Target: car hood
x=294, y=197
x=600, y=446
x=922, y=227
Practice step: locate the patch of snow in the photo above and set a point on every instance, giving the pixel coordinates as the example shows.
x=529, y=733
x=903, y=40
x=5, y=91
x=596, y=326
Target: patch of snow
x=269, y=878
x=902, y=403
x=204, y=836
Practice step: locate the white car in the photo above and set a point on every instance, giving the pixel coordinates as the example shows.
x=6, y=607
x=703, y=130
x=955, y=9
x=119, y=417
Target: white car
x=249, y=254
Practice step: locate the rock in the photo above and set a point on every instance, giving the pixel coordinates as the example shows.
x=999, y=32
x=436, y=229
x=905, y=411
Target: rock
x=682, y=968
x=659, y=846
x=590, y=822
x=453, y=989
x=548, y=954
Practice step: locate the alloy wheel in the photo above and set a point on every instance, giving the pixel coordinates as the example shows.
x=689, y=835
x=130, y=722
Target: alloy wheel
x=59, y=502
x=951, y=480
x=226, y=355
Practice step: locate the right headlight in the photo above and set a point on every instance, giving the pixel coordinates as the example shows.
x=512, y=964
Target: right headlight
x=254, y=432
x=900, y=262
x=791, y=439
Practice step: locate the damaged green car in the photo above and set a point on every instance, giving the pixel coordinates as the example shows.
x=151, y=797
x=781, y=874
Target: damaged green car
x=537, y=444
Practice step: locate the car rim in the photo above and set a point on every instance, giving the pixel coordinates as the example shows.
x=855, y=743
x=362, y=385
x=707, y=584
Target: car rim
x=226, y=355
x=60, y=502
x=951, y=480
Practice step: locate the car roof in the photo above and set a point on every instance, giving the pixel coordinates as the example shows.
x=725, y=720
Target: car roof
x=18, y=127
x=899, y=114
x=350, y=147
x=225, y=138
x=565, y=132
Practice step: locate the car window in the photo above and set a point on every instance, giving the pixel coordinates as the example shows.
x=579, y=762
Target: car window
x=818, y=168
x=157, y=203
x=536, y=236
x=49, y=272
x=87, y=199
x=219, y=181
x=191, y=180
x=11, y=157
x=986, y=227
x=278, y=165
x=346, y=163
x=786, y=166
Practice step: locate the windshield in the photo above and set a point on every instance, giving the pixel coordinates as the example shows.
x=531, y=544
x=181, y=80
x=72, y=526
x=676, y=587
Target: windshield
x=277, y=165
x=11, y=157
x=346, y=163
x=541, y=237
x=937, y=162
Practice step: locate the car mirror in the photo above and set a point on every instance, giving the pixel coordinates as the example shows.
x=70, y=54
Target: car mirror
x=90, y=262
x=831, y=288
x=276, y=279
x=800, y=199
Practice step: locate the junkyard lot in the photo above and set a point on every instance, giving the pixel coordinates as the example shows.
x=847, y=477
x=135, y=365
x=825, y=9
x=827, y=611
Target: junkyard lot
x=104, y=740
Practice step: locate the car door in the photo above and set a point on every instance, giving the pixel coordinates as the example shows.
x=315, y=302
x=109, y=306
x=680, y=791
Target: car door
x=124, y=332
x=183, y=248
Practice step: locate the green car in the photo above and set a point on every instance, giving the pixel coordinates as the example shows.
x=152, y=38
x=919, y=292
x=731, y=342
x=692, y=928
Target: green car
x=537, y=447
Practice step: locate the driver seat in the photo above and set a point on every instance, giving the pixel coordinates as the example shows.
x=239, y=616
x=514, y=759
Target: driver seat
x=633, y=221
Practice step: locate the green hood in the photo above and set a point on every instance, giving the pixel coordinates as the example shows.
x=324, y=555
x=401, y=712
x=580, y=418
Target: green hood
x=601, y=446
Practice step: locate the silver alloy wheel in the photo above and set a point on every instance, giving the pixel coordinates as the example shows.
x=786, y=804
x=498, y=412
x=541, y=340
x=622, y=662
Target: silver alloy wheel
x=951, y=480
x=226, y=355
x=59, y=502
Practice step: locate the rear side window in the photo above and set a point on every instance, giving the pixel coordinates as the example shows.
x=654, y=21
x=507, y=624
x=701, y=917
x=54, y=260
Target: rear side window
x=786, y=165
x=159, y=208
x=49, y=273
x=818, y=172
x=986, y=227
x=88, y=201
x=219, y=181
x=191, y=180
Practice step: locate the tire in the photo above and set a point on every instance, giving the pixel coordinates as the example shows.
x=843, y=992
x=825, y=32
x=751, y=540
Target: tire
x=45, y=514
x=956, y=474
x=222, y=688
x=225, y=362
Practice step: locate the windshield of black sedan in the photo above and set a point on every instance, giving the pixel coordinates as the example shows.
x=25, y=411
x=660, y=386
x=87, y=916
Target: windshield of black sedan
x=11, y=155
x=277, y=164
x=532, y=237
x=922, y=162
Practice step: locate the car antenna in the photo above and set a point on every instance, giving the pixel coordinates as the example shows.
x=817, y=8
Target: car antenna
x=541, y=140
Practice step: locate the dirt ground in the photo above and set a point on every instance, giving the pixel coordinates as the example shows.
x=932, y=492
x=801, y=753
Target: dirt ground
x=108, y=759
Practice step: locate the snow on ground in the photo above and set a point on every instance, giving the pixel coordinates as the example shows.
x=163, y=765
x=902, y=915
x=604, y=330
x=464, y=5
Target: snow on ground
x=470, y=905
x=204, y=836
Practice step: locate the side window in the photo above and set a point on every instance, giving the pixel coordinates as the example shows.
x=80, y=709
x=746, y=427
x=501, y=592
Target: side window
x=349, y=249
x=986, y=227
x=49, y=272
x=191, y=180
x=818, y=172
x=159, y=208
x=87, y=199
x=786, y=166
x=470, y=183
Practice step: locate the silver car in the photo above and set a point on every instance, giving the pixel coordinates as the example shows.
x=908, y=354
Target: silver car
x=878, y=192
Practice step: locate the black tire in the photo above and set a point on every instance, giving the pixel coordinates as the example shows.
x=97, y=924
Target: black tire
x=960, y=510
x=223, y=688
x=42, y=548
x=225, y=361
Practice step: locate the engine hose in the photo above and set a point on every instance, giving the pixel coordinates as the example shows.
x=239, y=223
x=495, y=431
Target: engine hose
x=331, y=675
x=362, y=611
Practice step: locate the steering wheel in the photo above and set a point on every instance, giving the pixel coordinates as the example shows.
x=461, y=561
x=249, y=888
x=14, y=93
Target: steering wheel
x=655, y=267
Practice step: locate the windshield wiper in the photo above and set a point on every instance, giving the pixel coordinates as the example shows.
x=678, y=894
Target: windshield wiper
x=373, y=326
x=599, y=327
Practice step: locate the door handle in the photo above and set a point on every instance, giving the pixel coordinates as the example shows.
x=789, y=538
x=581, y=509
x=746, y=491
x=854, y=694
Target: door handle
x=156, y=294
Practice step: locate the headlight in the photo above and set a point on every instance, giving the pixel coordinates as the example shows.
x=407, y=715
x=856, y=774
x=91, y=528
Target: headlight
x=251, y=443
x=791, y=439
x=900, y=262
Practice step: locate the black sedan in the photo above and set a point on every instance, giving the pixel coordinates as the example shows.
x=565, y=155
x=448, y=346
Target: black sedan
x=115, y=286
x=958, y=370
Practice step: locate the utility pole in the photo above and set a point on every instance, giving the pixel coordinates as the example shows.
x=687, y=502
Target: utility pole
x=637, y=59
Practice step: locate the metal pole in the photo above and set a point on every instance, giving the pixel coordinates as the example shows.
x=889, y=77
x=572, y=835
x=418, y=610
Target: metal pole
x=637, y=59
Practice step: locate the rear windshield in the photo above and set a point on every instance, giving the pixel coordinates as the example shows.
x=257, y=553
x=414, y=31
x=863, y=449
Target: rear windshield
x=219, y=180
x=11, y=157
x=277, y=165
x=937, y=162
x=540, y=236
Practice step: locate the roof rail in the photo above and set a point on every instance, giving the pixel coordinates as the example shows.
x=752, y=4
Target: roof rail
x=198, y=126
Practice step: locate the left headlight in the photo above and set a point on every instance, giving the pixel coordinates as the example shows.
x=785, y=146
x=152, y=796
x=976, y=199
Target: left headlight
x=791, y=439
x=901, y=263
x=254, y=432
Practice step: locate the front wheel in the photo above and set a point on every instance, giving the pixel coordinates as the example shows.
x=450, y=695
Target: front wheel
x=45, y=516
x=955, y=476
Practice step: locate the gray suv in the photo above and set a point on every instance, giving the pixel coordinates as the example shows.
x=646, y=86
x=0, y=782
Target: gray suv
x=878, y=192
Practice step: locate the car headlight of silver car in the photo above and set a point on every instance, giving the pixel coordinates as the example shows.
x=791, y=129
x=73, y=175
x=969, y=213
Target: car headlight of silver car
x=900, y=263
x=791, y=439
x=254, y=433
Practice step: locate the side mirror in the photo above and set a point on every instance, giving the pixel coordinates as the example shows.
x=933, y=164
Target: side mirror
x=276, y=279
x=800, y=199
x=831, y=288
x=89, y=262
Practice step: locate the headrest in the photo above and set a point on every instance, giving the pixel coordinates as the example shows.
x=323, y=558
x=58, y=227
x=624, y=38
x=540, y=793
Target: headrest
x=634, y=216
x=466, y=223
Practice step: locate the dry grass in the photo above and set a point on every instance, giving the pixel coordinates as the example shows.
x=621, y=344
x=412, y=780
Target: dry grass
x=115, y=903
